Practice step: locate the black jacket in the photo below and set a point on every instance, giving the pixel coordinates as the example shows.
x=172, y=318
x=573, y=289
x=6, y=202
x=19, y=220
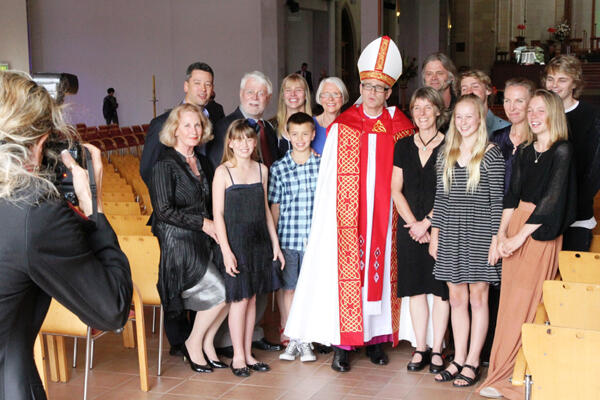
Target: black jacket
x=214, y=148
x=180, y=202
x=46, y=251
x=153, y=147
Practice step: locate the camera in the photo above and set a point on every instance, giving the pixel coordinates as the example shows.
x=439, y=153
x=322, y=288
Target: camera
x=63, y=178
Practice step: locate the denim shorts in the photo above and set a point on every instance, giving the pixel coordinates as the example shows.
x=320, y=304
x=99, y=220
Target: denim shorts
x=293, y=262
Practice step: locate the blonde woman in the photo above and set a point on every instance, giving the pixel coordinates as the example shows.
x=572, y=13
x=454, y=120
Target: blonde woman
x=466, y=217
x=537, y=209
x=294, y=96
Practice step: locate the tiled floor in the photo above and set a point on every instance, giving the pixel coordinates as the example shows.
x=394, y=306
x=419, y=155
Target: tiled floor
x=115, y=376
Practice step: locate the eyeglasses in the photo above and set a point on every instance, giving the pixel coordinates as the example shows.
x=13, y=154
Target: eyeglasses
x=377, y=88
x=328, y=95
x=252, y=93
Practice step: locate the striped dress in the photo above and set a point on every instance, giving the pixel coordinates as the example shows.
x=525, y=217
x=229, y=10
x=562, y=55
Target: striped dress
x=467, y=222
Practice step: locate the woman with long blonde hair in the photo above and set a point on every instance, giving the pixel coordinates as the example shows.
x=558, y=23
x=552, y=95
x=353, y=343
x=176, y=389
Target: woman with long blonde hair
x=466, y=217
x=537, y=209
x=294, y=96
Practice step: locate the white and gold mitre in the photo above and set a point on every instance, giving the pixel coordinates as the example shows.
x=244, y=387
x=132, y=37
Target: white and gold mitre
x=380, y=60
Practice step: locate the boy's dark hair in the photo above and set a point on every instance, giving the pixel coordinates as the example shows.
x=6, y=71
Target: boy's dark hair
x=300, y=118
x=110, y=90
x=201, y=66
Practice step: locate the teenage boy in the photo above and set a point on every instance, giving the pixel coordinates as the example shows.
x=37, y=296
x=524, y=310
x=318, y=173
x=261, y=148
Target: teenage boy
x=292, y=185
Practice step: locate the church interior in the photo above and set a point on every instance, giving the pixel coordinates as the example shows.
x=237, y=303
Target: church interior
x=141, y=48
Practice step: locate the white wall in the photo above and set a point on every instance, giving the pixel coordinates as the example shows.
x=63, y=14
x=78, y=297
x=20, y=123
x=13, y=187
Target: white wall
x=13, y=34
x=122, y=43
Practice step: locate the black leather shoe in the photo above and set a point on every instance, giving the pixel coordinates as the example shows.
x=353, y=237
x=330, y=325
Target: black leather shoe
x=436, y=368
x=214, y=364
x=243, y=372
x=340, y=361
x=377, y=355
x=193, y=365
x=226, y=352
x=425, y=359
x=259, y=366
x=322, y=349
x=265, y=345
x=176, y=351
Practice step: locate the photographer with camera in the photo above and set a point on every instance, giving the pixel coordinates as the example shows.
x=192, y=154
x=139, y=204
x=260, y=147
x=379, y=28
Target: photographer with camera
x=48, y=248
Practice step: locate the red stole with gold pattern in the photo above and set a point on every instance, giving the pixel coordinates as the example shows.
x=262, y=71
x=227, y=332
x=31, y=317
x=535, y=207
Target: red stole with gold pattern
x=351, y=212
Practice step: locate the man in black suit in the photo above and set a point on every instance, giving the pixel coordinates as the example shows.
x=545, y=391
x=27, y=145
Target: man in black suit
x=255, y=92
x=198, y=87
x=307, y=75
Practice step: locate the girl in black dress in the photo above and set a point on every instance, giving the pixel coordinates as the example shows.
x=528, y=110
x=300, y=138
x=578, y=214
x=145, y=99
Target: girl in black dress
x=248, y=239
x=413, y=192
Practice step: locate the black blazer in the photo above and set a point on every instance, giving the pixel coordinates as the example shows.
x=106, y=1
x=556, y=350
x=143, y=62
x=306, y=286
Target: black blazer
x=153, y=147
x=46, y=251
x=216, y=146
x=180, y=200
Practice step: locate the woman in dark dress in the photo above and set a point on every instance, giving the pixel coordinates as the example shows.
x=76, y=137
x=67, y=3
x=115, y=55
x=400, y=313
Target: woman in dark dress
x=413, y=192
x=537, y=209
x=182, y=222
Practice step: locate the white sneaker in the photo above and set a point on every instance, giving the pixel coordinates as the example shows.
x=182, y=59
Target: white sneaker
x=306, y=352
x=290, y=352
x=490, y=392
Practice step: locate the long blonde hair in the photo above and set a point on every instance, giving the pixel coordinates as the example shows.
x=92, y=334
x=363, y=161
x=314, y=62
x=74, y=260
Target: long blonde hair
x=281, y=107
x=240, y=128
x=27, y=113
x=556, y=119
x=451, y=151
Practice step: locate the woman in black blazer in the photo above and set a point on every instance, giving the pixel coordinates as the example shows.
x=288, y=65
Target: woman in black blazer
x=47, y=248
x=182, y=221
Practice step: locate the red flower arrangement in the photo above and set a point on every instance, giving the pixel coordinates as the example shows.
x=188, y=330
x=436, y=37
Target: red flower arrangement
x=551, y=29
x=521, y=27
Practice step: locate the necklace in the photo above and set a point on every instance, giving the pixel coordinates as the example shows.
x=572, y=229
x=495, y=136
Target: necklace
x=424, y=148
x=537, y=157
x=189, y=155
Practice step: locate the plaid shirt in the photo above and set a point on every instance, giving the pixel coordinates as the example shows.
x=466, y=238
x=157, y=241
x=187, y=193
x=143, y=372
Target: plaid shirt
x=293, y=186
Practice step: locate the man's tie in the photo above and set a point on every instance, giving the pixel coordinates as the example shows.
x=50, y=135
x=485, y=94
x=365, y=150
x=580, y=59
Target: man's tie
x=264, y=145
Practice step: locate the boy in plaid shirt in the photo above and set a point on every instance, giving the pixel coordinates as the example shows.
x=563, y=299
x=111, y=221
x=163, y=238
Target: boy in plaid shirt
x=292, y=185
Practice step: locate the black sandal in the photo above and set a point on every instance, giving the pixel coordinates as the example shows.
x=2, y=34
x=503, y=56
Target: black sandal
x=448, y=376
x=425, y=359
x=470, y=381
x=436, y=368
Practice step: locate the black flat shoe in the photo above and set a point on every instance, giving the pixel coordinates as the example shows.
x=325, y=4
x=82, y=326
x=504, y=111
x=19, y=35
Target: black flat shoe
x=436, y=368
x=425, y=359
x=259, y=366
x=265, y=345
x=448, y=376
x=377, y=355
x=214, y=364
x=243, y=372
x=470, y=381
x=340, y=361
x=193, y=365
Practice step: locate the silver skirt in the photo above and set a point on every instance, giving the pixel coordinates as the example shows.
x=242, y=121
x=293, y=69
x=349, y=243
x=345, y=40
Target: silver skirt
x=207, y=293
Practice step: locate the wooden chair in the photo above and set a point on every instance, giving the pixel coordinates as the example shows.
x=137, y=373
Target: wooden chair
x=563, y=362
x=126, y=225
x=118, y=196
x=579, y=266
x=572, y=304
x=143, y=253
x=554, y=352
x=121, y=208
x=61, y=322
